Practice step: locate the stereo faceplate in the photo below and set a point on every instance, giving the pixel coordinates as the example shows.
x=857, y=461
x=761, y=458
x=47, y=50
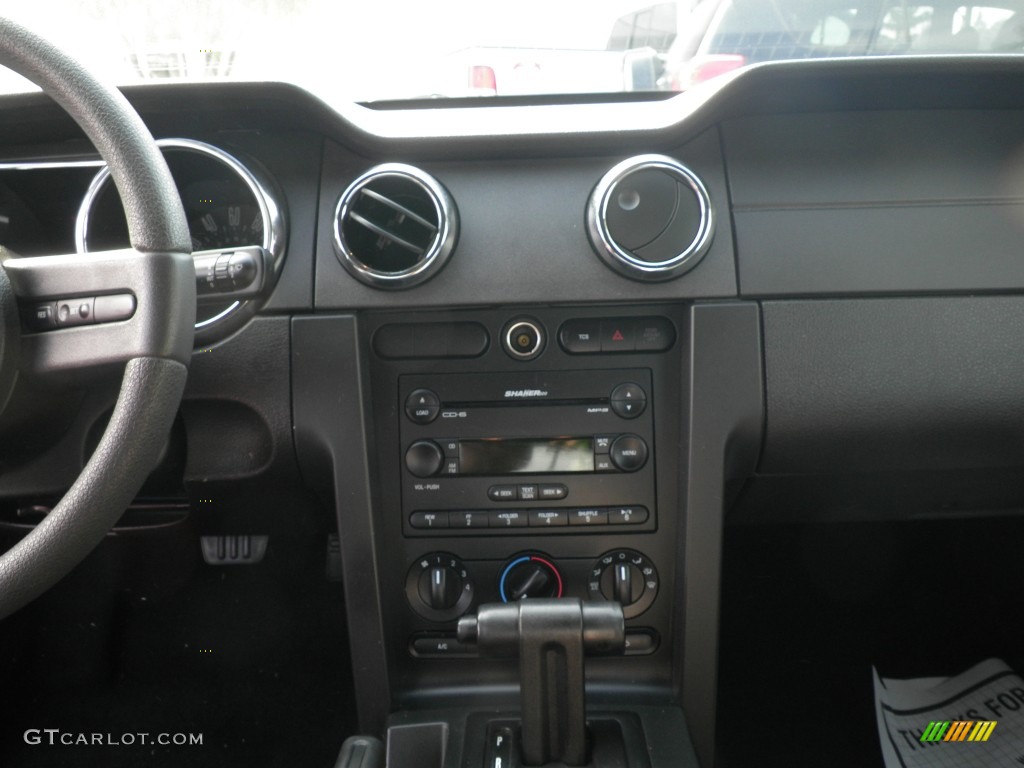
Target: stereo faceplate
x=537, y=452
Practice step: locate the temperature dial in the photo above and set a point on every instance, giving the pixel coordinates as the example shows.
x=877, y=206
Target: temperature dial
x=439, y=587
x=530, y=576
x=628, y=578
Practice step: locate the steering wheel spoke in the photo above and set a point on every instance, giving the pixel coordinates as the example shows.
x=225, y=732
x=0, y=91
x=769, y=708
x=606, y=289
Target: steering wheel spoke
x=101, y=309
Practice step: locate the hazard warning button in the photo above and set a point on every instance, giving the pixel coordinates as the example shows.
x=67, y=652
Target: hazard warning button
x=618, y=334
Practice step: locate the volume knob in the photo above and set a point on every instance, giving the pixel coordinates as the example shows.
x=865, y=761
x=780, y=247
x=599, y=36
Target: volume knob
x=424, y=458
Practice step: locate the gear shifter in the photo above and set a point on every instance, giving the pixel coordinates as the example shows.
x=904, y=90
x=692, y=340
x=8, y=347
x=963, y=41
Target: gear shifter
x=550, y=637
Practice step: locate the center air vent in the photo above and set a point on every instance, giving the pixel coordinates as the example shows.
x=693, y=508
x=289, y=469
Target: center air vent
x=395, y=226
x=650, y=218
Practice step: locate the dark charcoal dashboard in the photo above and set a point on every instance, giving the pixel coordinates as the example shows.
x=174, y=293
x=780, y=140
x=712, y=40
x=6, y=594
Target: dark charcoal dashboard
x=554, y=361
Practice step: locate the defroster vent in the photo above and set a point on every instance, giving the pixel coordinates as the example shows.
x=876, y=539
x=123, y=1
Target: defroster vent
x=395, y=226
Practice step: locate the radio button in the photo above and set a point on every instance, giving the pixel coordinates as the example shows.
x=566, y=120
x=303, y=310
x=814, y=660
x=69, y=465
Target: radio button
x=527, y=492
x=450, y=467
x=592, y=516
x=428, y=520
x=552, y=491
x=541, y=518
x=629, y=400
x=603, y=463
x=450, y=448
x=512, y=518
x=629, y=452
x=422, y=406
x=602, y=443
x=580, y=336
x=502, y=493
x=468, y=520
x=627, y=515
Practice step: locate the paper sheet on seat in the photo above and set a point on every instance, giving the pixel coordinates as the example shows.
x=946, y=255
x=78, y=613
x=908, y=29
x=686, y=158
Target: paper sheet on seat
x=989, y=692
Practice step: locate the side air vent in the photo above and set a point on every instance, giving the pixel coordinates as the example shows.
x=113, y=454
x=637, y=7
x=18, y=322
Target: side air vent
x=650, y=218
x=395, y=226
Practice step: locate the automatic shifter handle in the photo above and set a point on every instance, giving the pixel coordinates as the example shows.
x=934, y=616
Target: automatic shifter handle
x=550, y=637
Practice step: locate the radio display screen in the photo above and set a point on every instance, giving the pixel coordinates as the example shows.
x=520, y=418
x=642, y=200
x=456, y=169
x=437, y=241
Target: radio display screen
x=500, y=456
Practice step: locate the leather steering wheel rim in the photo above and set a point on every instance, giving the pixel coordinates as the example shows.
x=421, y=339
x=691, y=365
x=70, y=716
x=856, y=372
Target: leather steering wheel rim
x=155, y=365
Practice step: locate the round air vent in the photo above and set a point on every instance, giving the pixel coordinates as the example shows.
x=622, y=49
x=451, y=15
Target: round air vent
x=650, y=218
x=395, y=226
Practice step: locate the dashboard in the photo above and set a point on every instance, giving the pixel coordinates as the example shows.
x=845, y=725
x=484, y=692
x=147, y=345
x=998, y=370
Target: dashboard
x=519, y=359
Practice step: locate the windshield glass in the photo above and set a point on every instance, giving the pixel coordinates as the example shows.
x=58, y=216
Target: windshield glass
x=397, y=49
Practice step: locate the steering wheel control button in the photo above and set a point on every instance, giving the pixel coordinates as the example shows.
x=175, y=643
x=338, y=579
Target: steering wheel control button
x=553, y=518
x=424, y=458
x=654, y=334
x=553, y=491
x=112, y=309
x=591, y=516
x=71, y=312
x=629, y=400
x=627, y=515
x=530, y=576
x=41, y=317
x=628, y=453
x=523, y=338
x=626, y=577
x=513, y=518
x=580, y=336
x=438, y=587
x=618, y=335
x=428, y=520
x=422, y=406
x=463, y=519
x=502, y=493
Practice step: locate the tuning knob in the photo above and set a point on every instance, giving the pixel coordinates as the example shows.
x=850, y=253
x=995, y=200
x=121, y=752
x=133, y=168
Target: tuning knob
x=627, y=577
x=439, y=587
x=530, y=576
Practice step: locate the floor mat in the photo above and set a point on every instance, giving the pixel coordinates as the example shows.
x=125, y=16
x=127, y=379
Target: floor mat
x=141, y=652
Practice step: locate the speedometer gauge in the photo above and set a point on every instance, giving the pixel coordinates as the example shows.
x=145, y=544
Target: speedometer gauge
x=228, y=205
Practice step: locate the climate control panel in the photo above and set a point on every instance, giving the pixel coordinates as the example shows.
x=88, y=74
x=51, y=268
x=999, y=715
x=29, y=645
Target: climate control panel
x=440, y=587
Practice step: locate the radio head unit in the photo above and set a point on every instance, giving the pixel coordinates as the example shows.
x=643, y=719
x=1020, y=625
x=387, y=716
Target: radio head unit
x=492, y=453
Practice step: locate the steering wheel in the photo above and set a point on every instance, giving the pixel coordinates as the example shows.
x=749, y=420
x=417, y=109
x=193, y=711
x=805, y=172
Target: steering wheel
x=154, y=344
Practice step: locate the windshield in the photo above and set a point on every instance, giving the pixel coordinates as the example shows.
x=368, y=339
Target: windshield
x=397, y=49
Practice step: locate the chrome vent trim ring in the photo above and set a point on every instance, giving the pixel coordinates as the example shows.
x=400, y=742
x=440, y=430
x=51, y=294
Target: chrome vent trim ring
x=435, y=233
x=626, y=262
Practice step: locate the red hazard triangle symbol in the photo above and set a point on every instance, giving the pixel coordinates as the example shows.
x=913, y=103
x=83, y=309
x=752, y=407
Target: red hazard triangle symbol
x=617, y=336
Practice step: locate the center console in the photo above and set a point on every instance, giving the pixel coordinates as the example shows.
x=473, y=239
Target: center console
x=523, y=457
x=511, y=456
